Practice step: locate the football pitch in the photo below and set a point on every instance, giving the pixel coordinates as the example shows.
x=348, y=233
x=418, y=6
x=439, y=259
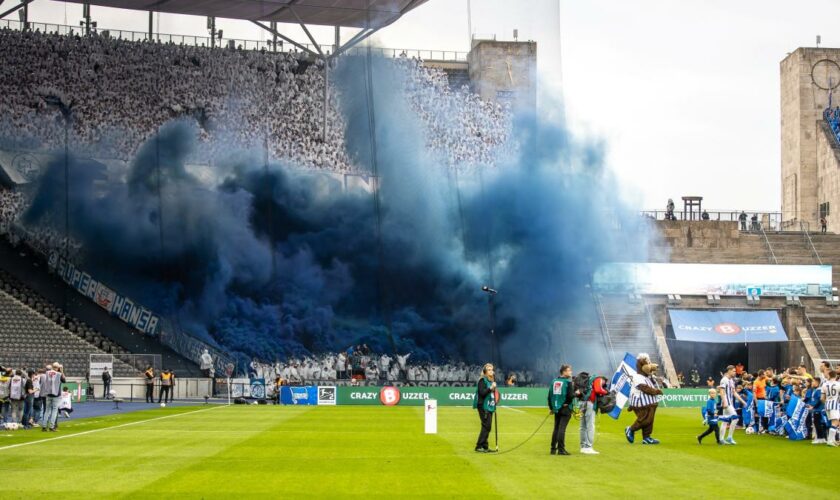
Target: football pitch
x=297, y=451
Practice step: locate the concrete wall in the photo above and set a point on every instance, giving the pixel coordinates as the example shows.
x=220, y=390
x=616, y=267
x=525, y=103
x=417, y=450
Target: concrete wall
x=828, y=175
x=802, y=104
x=699, y=234
x=505, y=71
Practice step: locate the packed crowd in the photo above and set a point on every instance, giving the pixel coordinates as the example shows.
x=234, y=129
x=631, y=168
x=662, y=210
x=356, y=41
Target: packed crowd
x=360, y=365
x=121, y=91
x=790, y=403
x=34, y=397
x=11, y=205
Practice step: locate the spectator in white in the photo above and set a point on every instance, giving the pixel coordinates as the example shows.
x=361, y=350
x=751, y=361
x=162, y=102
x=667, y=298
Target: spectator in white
x=401, y=360
x=371, y=372
x=206, y=363
x=17, y=394
x=65, y=406
x=341, y=366
x=51, y=385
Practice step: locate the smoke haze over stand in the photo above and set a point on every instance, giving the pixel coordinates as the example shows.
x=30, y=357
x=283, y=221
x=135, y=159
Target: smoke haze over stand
x=275, y=262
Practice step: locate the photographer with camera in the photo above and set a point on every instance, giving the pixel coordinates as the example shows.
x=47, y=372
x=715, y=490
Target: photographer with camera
x=588, y=389
x=51, y=387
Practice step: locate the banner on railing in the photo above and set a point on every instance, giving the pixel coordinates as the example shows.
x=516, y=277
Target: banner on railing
x=117, y=305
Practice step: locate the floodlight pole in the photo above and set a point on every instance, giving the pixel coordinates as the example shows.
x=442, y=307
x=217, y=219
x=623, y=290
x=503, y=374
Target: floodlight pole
x=491, y=310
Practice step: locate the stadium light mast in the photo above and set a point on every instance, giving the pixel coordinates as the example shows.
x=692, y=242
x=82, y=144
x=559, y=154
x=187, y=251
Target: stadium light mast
x=491, y=310
x=86, y=23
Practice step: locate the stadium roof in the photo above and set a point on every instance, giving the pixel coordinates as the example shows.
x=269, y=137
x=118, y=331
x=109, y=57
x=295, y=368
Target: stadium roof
x=370, y=14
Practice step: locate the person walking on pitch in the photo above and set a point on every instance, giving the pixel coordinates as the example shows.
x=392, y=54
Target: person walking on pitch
x=710, y=412
x=728, y=396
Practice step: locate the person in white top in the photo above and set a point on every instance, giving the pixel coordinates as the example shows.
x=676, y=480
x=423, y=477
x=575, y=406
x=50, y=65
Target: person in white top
x=728, y=396
x=831, y=397
x=65, y=404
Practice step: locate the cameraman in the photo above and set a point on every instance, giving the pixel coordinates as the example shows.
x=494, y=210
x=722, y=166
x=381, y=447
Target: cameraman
x=485, y=403
x=559, y=403
x=52, y=389
x=587, y=417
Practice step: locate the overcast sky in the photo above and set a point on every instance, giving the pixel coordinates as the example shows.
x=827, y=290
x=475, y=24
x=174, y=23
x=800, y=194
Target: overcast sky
x=685, y=94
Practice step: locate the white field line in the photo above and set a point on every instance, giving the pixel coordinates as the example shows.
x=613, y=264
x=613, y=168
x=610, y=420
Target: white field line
x=65, y=436
x=507, y=408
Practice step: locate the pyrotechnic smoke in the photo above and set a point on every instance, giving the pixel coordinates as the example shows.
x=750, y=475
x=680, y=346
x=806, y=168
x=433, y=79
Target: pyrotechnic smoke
x=273, y=261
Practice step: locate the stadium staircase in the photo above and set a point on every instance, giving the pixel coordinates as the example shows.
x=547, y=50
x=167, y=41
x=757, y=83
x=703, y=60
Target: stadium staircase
x=627, y=327
x=28, y=275
x=824, y=325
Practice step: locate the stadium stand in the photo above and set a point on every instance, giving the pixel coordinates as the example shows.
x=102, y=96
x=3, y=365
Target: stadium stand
x=32, y=336
x=121, y=91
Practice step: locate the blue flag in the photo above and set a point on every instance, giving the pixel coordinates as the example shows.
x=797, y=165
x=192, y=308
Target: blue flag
x=796, y=427
x=747, y=412
x=621, y=383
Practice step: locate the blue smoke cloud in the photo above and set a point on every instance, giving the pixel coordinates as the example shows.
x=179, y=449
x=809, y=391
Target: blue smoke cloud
x=275, y=262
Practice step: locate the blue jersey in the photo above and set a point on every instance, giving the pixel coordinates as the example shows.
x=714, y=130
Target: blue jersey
x=709, y=411
x=773, y=393
x=815, y=399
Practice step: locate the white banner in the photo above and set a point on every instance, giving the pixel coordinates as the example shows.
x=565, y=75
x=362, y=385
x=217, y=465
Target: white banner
x=431, y=416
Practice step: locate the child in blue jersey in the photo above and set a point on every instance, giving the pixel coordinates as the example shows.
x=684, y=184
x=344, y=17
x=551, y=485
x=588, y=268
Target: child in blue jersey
x=813, y=401
x=773, y=391
x=710, y=417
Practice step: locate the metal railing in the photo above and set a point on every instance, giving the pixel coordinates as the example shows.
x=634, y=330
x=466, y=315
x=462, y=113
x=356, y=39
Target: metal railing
x=773, y=221
x=814, y=335
x=772, y=257
x=809, y=242
x=238, y=43
x=604, y=328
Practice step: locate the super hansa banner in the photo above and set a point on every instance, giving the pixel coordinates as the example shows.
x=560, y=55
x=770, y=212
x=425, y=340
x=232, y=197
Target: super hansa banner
x=719, y=326
x=118, y=305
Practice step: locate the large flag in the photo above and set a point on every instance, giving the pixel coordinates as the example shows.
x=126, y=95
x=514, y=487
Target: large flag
x=766, y=409
x=622, y=382
x=747, y=412
x=796, y=427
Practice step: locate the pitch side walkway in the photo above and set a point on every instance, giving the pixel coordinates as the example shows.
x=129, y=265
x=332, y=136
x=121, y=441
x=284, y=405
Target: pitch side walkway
x=102, y=408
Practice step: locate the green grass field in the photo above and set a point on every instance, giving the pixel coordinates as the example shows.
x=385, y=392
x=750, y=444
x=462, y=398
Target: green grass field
x=276, y=452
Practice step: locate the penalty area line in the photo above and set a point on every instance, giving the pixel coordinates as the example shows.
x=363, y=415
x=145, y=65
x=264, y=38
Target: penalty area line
x=66, y=436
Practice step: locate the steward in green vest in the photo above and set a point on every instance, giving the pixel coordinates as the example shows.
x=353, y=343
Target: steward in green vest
x=560, y=397
x=485, y=403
